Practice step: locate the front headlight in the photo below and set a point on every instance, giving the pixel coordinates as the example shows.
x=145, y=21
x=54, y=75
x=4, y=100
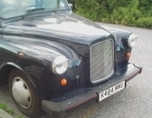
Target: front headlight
x=60, y=65
x=132, y=40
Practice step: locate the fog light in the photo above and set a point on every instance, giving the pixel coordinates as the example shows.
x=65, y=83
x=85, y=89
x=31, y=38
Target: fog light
x=64, y=82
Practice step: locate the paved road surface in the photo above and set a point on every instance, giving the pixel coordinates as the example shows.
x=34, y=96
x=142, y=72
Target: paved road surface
x=133, y=102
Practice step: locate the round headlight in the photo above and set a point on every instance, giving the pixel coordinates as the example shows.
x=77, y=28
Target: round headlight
x=132, y=40
x=60, y=65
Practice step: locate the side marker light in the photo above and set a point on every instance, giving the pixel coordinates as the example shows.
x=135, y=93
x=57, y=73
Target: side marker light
x=128, y=55
x=64, y=82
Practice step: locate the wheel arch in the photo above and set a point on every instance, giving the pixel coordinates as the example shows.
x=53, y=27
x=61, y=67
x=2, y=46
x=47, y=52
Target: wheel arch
x=6, y=68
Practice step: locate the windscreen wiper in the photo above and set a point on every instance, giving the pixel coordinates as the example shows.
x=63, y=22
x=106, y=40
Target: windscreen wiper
x=31, y=9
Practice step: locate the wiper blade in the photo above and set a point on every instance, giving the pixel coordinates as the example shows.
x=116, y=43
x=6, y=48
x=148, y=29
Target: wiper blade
x=31, y=9
x=34, y=9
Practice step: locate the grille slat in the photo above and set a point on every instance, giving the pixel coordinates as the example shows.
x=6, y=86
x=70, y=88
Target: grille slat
x=101, y=60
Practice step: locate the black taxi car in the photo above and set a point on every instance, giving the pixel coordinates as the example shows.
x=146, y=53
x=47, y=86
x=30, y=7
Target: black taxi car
x=55, y=60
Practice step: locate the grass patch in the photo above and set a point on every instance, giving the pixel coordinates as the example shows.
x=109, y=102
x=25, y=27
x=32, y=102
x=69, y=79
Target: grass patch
x=9, y=111
x=6, y=109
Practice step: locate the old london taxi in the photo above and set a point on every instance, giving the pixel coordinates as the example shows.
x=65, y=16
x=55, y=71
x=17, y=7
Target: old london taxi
x=55, y=60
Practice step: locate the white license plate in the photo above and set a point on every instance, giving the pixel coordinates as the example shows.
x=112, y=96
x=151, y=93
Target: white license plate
x=112, y=90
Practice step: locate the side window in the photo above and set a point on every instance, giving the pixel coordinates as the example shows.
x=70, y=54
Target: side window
x=50, y=3
x=53, y=4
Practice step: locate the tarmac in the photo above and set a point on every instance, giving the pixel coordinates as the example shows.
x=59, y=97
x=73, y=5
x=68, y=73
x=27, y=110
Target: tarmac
x=3, y=114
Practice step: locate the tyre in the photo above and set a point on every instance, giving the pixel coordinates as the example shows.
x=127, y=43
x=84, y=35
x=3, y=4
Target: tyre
x=23, y=94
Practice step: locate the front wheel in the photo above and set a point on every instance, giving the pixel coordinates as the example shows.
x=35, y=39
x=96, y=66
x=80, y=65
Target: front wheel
x=23, y=94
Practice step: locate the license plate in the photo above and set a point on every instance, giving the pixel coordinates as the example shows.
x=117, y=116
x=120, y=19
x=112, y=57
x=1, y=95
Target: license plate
x=112, y=90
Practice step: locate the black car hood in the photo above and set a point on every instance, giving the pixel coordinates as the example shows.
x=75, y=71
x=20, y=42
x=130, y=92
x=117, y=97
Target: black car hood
x=69, y=27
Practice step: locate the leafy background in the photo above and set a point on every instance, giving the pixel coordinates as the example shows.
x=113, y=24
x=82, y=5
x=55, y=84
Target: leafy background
x=126, y=12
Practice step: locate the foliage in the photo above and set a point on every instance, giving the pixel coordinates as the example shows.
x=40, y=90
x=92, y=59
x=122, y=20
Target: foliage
x=9, y=111
x=4, y=107
x=126, y=12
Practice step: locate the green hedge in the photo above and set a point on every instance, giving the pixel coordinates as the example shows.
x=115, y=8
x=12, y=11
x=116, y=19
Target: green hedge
x=126, y=12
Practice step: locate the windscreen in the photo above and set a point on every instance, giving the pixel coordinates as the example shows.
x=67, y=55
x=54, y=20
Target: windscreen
x=14, y=8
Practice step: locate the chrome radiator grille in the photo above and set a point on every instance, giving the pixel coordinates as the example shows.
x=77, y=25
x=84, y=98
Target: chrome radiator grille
x=101, y=60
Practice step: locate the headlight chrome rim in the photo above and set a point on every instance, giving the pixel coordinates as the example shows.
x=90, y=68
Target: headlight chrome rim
x=132, y=40
x=60, y=65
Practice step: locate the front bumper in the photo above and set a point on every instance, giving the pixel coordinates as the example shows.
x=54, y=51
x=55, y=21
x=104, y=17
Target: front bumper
x=58, y=108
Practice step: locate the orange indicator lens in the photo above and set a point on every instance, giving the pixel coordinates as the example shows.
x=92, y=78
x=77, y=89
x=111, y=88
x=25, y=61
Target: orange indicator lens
x=128, y=55
x=64, y=82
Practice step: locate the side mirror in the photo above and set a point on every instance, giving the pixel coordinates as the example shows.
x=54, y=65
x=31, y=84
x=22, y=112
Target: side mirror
x=70, y=5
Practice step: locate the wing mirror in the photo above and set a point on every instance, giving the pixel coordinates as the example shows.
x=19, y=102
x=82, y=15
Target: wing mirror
x=71, y=5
